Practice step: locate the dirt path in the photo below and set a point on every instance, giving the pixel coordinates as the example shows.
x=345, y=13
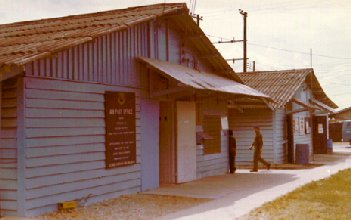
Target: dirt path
x=137, y=206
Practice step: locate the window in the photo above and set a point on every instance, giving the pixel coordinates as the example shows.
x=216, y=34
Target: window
x=212, y=127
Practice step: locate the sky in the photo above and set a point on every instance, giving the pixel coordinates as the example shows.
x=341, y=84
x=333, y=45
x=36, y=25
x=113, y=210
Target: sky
x=281, y=34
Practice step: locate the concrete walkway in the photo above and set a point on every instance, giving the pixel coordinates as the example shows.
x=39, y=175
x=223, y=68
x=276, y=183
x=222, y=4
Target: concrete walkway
x=237, y=194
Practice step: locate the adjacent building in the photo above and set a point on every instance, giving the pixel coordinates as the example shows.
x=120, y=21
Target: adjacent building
x=297, y=118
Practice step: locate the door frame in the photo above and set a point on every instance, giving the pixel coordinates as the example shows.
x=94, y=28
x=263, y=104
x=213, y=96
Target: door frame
x=290, y=137
x=166, y=109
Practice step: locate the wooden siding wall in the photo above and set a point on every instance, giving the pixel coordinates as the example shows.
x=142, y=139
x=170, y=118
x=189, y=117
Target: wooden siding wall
x=211, y=164
x=279, y=117
x=108, y=59
x=242, y=125
x=65, y=145
x=304, y=94
x=8, y=144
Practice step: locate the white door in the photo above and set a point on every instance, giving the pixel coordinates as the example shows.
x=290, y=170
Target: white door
x=186, y=141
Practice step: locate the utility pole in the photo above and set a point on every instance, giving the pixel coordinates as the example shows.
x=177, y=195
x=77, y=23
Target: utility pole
x=311, y=56
x=197, y=17
x=253, y=66
x=244, y=14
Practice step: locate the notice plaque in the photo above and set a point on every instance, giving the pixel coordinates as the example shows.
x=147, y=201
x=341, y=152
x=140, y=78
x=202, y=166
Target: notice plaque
x=120, y=129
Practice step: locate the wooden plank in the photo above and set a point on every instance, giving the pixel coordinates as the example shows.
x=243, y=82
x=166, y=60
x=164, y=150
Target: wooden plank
x=8, y=133
x=62, y=150
x=8, y=174
x=70, y=63
x=8, y=184
x=8, y=112
x=113, y=58
x=8, y=143
x=8, y=103
x=58, y=85
x=73, y=187
x=124, y=57
x=9, y=94
x=120, y=56
x=63, y=95
x=64, y=141
x=107, y=47
x=91, y=62
x=81, y=62
x=8, y=206
x=64, y=168
x=59, y=73
x=9, y=195
x=78, y=176
x=63, y=113
x=30, y=204
x=76, y=63
x=64, y=123
x=100, y=59
x=9, y=164
x=64, y=159
x=54, y=67
x=96, y=60
x=8, y=153
x=9, y=123
x=65, y=64
x=20, y=148
x=86, y=62
x=29, y=69
x=60, y=104
x=63, y=132
x=36, y=68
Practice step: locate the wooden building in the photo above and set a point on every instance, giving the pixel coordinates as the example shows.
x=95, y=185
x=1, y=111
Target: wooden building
x=343, y=114
x=99, y=105
x=298, y=116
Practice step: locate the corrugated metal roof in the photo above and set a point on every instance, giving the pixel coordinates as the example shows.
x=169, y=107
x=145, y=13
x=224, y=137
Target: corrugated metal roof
x=201, y=80
x=26, y=41
x=22, y=42
x=282, y=85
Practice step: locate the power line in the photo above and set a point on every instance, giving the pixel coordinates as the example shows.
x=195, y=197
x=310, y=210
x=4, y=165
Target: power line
x=300, y=52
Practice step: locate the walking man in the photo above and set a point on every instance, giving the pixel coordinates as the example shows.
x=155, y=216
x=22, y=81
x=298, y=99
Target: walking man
x=232, y=151
x=257, y=145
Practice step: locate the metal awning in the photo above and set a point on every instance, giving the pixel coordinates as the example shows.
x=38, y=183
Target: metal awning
x=202, y=80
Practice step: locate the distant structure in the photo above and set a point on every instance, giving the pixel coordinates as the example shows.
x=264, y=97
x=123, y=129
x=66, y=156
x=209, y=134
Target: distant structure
x=344, y=114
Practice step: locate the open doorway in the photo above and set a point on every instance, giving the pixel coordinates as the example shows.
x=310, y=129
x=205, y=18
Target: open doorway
x=320, y=134
x=177, y=142
x=167, y=144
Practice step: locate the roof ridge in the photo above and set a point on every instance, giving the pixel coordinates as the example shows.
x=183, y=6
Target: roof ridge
x=19, y=23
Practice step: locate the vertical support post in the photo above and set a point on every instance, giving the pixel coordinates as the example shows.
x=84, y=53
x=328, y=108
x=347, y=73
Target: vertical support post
x=20, y=109
x=167, y=40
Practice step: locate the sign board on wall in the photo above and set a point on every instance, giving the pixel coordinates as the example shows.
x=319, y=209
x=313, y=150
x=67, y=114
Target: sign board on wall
x=307, y=125
x=302, y=125
x=120, y=129
x=320, y=128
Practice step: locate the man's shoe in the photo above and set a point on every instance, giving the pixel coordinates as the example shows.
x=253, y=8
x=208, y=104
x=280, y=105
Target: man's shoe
x=253, y=170
x=268, y=166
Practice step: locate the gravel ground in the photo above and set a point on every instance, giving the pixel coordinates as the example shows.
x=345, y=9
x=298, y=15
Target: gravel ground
x=137, y=206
